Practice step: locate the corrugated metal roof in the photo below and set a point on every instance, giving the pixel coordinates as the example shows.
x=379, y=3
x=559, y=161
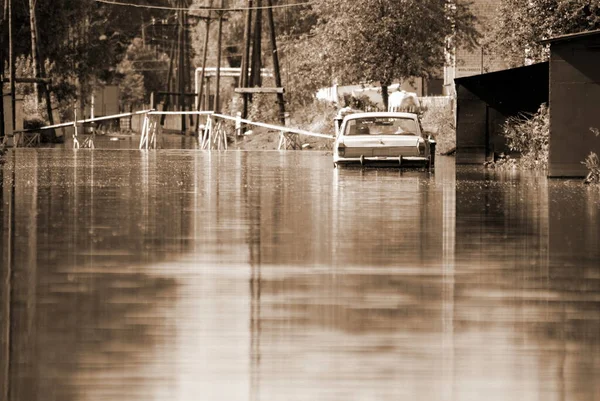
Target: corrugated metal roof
x=570, y=36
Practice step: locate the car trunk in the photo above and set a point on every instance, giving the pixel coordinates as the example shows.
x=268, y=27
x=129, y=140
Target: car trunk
x=381, y=146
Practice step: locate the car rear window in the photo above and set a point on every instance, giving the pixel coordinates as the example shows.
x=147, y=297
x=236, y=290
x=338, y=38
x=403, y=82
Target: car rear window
x=381, y=126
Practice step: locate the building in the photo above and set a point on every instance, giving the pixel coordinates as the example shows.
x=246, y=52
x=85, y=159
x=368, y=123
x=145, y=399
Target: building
x=467, y=63
x=485, y=101
x=574, y=102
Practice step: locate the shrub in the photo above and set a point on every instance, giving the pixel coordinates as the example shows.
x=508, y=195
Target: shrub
x=592, y=162
x=264, y=108
x=33, y=122
x=528, y=134
x=593, y=165
x=438, y=120
x=359, y=102
x=317, y=117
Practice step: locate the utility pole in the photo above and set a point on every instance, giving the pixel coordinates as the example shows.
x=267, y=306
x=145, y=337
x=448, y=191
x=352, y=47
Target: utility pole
x=256, y=64
x=246, y=58
x=219, y=45
x=143, y=31
x=188, y=67
x=11, y=61
x=276, y=70
x=2, y=58
x=204, y=57
x=45, y=85
x=181, y=66
x=169, y=81
x=34, y=57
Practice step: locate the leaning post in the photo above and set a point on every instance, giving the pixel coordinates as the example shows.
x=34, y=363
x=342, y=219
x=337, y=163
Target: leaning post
x=75, y=134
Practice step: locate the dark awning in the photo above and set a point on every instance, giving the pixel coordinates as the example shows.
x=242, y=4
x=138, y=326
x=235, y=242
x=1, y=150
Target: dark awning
x=513, y=90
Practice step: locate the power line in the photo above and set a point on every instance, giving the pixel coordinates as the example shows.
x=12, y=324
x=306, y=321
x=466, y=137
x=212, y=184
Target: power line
x=119, y=3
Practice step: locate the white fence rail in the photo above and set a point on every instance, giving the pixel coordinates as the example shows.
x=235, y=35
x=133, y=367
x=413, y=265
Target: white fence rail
x=211, y=132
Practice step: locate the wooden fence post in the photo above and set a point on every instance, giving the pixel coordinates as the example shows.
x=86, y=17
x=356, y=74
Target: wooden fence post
x=238, y=124
x=75, y=134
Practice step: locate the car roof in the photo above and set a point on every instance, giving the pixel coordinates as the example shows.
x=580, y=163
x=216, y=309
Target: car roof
x=354, y=116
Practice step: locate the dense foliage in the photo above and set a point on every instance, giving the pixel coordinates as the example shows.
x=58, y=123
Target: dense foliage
x=378, y=41
x=438, y=120
x=529, y=135
x=83, y=40
x=521, y=24
x=141, y=72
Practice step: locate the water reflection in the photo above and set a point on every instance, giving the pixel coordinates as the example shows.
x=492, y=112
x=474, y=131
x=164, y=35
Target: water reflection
x=265, y=276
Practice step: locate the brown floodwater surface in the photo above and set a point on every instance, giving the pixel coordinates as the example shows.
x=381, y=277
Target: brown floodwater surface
x=268, y=276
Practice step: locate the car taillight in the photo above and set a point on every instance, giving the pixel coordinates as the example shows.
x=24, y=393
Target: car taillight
x=421, y=147
x=341, y=149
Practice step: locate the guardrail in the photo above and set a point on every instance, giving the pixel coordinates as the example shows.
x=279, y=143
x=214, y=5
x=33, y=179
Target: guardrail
x=22, y=135
x=212, y=134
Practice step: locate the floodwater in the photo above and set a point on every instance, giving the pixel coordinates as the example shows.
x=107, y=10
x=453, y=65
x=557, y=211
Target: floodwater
x=267, y=276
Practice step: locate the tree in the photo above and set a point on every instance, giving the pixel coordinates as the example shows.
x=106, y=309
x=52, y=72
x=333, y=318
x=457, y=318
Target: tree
x=152, y=66
x=381, y=40
x=83, y=40
x=131, y=85
x=521, y=24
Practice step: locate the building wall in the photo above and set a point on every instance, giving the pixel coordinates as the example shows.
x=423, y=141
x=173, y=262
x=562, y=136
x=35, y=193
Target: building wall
x=574, y=100
x=471, y=140
x=106, y=102
x=486, y=100
x=476, y=61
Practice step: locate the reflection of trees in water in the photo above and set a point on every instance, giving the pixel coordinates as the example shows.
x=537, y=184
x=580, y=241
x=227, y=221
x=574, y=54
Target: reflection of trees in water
x=356, y=302
x=252, y=200
x=386, y=218
x=93, y=330
x=312, y=280
x=293, y=222
x=294, y=209
x=525, y=252
x=515, y=300
x=377, y=218
x=6, y=219
x=79, y=308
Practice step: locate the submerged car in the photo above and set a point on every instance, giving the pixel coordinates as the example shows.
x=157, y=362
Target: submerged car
x=382, y=137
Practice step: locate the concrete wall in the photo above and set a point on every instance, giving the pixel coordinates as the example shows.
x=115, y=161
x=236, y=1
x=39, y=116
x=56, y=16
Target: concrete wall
x=574, y=104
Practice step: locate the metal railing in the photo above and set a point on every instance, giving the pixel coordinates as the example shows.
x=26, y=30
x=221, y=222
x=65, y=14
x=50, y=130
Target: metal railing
x=212, y=134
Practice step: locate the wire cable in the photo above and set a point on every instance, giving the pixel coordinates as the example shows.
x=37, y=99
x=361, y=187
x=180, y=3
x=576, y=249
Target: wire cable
x=200, y=8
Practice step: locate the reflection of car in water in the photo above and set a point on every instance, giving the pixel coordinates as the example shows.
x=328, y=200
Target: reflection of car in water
x=383, y=137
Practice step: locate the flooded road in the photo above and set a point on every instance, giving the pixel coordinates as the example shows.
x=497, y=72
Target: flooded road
x=263, y=276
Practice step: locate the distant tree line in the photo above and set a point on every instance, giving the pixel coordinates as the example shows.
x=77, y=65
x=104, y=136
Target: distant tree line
x=82, y=42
